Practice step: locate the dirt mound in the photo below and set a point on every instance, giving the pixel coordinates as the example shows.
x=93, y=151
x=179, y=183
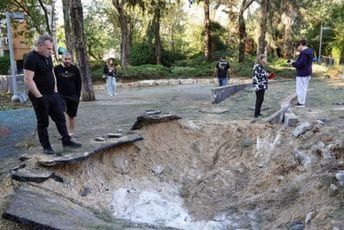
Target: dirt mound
x=194, y=175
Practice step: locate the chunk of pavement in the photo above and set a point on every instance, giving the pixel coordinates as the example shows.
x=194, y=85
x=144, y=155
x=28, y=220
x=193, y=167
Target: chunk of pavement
x=79, y=156
x=144, y=120
x=302, y=129
x=157, y=170
x=290, y=119
x=340, y=177
x=41, y=209
x=34, y=175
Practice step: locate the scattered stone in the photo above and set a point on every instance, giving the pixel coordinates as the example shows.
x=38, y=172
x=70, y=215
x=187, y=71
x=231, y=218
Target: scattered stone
x=24, y=157
x=299, y=156
x=114, y=135
x=157, y=170
x=340, y=177
x=297, y=225
x=309, y=217
x=302, y=129
x=327, y=156
x=153, y=112
x=85, y=192
x=99, y=139
x=333, y=187
x=121, y=165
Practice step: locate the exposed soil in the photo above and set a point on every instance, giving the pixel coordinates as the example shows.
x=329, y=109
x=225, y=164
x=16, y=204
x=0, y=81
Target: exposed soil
x=214, y=170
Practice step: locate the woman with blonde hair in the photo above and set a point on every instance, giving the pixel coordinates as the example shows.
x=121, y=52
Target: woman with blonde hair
x=260, y=82
x=110, y=76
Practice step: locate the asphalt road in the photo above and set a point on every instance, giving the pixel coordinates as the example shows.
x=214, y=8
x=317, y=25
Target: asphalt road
x=118, y=114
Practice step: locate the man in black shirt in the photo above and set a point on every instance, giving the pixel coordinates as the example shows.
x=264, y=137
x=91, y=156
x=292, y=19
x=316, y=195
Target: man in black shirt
x=40, y=80
x=221, y=71
x=69, y=86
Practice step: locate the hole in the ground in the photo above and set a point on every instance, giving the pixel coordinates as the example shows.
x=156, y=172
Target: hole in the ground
x=183, y=174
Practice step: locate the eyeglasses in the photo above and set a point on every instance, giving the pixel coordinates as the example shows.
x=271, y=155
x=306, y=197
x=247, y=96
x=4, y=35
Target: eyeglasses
x=67, y=58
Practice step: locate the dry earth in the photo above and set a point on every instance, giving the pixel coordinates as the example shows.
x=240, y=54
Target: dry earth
x=213, y=170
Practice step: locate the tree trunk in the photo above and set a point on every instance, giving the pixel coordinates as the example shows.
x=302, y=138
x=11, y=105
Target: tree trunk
x=242, y=33
x=242, y=29
x=80, y=48
x=157, y=42
x=288, y=21
x=206, y=30
x=125, y=32
x=68, y=27
x=263, y=26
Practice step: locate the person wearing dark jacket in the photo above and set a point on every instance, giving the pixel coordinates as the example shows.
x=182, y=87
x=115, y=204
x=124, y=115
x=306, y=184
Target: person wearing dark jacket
x=303, y=66
x=221, y=71
x=110, y=76
x=259, y=82
x=69, y=86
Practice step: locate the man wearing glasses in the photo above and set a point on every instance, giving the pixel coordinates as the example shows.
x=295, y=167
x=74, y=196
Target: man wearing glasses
x=41, y=83
x=69, y=86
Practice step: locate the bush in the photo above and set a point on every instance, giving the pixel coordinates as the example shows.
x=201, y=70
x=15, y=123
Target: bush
x=142, y=54
x=143, y=72
x=5, y=64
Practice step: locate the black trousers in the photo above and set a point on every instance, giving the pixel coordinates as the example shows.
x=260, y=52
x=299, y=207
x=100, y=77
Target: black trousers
x=259, y=102
x=49, y=105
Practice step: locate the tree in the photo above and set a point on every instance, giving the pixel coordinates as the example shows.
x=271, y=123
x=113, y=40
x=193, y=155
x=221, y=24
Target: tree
x=123, y=19
x=263, y=26
x=245, y=4
x=80, y=48
x=206, y=27
x=156, y=7
x=66, y=4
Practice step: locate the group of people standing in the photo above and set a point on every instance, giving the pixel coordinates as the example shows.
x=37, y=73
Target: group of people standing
x=53, y=91
x=260, y=76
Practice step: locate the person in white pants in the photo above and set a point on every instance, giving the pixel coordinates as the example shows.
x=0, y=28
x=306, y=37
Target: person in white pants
x=303, y=66
x=110, y=76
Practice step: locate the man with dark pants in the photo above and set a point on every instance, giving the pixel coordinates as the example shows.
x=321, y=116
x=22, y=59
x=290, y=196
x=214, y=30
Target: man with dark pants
x=69, y=86
x=221, y=71
x=40, y=80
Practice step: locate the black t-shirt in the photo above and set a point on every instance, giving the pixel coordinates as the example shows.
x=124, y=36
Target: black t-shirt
x=43, y=68
x=222, y=68
x=68, y=80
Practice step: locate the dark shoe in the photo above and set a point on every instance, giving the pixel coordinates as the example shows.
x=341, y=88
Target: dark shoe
x=71, y=144
x=299, y=105
x=48, y=151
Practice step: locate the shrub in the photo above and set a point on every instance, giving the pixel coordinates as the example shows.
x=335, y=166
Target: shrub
x=142, y=54
x=5, y=64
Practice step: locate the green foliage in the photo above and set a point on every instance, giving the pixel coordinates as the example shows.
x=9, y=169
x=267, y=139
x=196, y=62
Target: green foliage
x=144, y=72
x=142, y=53
x=192, y=68
x=5, y=64
x=217, y=36
x=170, y=57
